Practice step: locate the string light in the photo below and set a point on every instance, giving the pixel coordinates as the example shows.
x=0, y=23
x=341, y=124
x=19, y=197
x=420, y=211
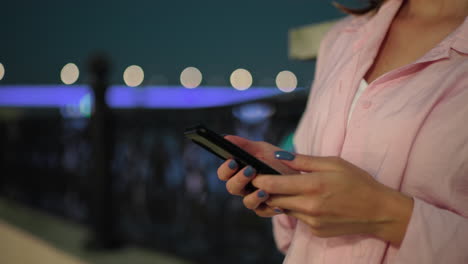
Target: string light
x=69, y=73
x=241, y=79
x=133, y=75
x=191, y=77
x=286, y=81
x=2, y=71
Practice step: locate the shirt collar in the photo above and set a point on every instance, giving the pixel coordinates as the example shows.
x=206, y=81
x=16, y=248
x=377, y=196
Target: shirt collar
x=460, y=39
x=457, y=40
x=373, y=28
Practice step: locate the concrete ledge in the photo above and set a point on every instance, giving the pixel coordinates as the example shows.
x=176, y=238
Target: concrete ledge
x=17, y=246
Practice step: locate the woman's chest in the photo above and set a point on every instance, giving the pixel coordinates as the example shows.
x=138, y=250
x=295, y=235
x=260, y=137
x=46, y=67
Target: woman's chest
x=386, y=117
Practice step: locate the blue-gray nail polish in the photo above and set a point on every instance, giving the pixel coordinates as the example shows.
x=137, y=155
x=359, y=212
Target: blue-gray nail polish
x=262, y=194
x=233, y=165
x=249, y=171
x=278, y=210
x=284, y=155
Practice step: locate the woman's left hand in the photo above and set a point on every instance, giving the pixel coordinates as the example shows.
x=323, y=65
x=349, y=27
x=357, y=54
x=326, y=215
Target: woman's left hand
x=334, y=197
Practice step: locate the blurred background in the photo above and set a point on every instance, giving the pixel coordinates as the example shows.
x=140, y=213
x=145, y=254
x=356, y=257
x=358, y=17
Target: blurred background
x=94, y=99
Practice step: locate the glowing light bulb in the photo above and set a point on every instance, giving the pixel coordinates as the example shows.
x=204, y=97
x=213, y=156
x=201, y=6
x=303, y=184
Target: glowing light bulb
x=69, y=73
x=241, y=79
x=286, y=81
x=2, y=71
x=191, y=77
x=133, y=75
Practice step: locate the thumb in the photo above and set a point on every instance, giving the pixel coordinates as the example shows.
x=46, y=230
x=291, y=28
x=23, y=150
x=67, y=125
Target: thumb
x=245, y=144
x=239, y=141
x=306, y=163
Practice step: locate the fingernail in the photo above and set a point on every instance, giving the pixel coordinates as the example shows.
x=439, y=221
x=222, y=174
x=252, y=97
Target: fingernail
x=262, y=194
x=278, y=210
x=249, y=171
x=284, y=155
x=232, y=165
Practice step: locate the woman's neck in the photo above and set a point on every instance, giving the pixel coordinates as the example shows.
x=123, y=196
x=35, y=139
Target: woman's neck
x=434, y=9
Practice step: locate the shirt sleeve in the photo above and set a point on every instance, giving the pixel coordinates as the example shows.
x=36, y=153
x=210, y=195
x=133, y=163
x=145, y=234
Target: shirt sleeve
x=434, y=235
x=437, y=178
x=283, y=230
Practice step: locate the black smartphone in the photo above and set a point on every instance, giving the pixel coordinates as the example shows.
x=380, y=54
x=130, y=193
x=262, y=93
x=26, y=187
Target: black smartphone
x=224, y=149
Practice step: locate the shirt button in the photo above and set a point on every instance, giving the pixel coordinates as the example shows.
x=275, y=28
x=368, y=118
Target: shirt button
x=366, y=104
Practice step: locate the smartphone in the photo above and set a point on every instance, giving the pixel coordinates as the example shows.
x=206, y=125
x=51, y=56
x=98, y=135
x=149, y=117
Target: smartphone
x=224, y=149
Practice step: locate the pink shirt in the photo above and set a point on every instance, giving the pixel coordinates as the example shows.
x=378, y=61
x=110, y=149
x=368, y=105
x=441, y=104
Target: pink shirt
x=409, y=130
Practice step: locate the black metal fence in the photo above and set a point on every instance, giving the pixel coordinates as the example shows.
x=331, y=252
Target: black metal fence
x=165, y=192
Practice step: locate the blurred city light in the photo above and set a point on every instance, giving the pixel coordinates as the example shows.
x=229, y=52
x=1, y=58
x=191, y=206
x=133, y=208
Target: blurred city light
x=86, y=105
x=286, y=81
x=69, y=73
x=2, y=71
x=241, y=79
x=133, y=75
x=253, y=113
x=119, y=96
x=191, y=77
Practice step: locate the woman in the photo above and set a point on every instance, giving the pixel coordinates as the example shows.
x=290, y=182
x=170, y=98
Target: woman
x=381, y=174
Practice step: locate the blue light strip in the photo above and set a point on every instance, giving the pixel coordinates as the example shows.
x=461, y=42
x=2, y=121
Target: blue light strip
x=154, y=97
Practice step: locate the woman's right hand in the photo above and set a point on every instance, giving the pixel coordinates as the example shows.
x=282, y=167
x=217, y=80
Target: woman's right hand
x=237, y=178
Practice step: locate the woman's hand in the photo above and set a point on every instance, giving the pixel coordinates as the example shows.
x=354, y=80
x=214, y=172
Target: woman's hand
x=336, y=198
x=237, y=178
